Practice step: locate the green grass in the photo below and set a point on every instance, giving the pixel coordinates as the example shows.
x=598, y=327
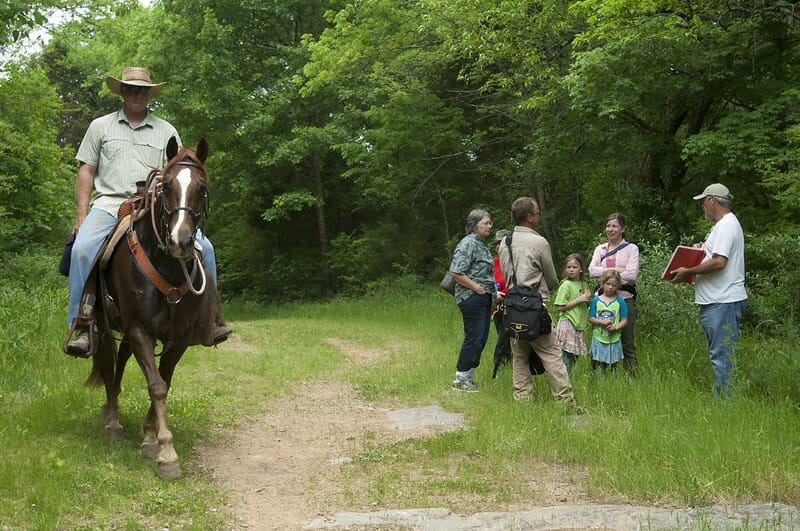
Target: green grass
x=659, y=439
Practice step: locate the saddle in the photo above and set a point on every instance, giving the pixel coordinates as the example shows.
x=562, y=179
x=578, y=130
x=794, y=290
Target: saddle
x=126, y=216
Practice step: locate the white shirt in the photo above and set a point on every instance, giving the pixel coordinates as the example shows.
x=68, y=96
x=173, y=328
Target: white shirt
x=727, y=285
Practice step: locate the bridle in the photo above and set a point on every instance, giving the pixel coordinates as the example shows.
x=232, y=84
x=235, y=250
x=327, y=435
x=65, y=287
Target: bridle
x=197, y=217
x=152, y=194
x=151, y=199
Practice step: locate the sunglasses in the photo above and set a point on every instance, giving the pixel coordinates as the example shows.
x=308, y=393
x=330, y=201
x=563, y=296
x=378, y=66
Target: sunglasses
x=134, y=89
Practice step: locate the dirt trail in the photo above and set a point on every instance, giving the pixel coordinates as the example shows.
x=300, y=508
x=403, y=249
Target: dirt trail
x=280, y=470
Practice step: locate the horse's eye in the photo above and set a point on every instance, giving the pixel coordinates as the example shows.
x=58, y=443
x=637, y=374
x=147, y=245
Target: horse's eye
x=203, y=188
x=166, y=185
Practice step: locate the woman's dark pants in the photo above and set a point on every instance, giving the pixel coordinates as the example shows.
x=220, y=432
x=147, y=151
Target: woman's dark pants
x=630, y=362
x=476, y=311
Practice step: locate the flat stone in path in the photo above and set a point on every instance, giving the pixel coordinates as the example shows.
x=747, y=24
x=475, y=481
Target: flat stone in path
x=425, y=416
x=573, y=517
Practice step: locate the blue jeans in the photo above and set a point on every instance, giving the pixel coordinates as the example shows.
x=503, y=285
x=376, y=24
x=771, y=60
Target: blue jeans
x=90, y=237
x=477, y=313
x=720, y=324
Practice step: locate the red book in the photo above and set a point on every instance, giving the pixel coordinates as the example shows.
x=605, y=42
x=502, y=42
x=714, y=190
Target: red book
x=683, y=256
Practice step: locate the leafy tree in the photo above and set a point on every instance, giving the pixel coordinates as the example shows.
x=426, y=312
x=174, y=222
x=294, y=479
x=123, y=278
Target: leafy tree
x=35, y=179
x=271, y=175
x=661, y=73
x=19, y=17
x=410, y=148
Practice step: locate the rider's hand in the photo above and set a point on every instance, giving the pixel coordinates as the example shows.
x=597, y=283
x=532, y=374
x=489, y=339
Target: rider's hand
x=78, y=222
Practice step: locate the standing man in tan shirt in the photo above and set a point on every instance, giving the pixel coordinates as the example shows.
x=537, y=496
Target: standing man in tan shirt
x=533, y=266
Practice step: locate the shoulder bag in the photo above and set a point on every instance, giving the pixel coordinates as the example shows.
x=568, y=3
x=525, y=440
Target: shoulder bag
x=524, y=314
x=448, y=283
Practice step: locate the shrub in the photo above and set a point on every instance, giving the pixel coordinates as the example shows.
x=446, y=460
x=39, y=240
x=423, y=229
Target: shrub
x=772, y=280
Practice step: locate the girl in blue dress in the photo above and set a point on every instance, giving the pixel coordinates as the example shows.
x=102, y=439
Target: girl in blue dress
x=608, y=315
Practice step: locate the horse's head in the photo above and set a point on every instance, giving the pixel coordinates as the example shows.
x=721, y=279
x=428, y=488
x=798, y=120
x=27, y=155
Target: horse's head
x=183, y=197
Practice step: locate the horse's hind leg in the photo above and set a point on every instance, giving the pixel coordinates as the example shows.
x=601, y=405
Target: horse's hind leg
x=111, y=408
x=104, y=366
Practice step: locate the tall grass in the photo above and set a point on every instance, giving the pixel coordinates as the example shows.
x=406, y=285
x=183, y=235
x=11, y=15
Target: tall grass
x=657, y=439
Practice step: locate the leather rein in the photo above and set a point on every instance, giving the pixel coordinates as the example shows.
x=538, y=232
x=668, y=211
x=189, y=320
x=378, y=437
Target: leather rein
x=173, y=294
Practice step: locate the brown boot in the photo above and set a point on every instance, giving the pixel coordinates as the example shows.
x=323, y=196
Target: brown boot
x=79, y=347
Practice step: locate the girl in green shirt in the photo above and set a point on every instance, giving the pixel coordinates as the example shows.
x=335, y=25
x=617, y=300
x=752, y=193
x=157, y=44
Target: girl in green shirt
x=572, y=301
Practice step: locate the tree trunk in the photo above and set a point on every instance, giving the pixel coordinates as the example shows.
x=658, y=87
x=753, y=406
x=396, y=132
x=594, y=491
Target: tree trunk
x=322, y=226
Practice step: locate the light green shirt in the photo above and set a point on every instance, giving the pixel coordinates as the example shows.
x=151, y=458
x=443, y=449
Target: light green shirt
x=578, y=315
x=123, y=155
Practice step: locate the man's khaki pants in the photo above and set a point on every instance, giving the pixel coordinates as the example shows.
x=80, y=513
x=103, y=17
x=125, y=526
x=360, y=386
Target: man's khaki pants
x=550, y=354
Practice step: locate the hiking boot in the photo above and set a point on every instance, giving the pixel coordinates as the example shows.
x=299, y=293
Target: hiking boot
x=468, y=386
x=79, y=347
x=221, y=333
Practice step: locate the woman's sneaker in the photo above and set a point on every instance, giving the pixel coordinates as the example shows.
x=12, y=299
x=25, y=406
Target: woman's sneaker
x=468, y=386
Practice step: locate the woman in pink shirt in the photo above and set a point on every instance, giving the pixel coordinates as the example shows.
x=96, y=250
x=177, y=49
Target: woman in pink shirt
x=622, y=256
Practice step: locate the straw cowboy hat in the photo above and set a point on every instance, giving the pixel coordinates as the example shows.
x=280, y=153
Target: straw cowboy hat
x=136, y=76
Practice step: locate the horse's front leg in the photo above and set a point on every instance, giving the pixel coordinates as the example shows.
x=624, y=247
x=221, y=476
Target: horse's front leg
x=167, y=459
x=169, y=360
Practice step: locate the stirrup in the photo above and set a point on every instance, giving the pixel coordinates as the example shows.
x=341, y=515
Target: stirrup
x=80, y=322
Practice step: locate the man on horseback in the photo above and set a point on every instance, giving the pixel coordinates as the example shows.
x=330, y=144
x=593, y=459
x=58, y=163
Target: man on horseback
x=117, y=151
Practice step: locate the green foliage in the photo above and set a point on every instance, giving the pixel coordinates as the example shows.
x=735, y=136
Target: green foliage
x=283, y=205
x=19, y=17
x=32, y=301
x=772, y=280
x=357, y=261
x=667, y=311
x=77, y=59
x=35, y=178
x=760, y=142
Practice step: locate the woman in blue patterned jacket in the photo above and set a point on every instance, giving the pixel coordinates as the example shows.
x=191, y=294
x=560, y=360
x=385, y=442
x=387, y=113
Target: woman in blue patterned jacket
x=473, y=269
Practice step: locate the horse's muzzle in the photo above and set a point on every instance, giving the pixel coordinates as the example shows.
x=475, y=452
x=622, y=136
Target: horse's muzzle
x=183, y=249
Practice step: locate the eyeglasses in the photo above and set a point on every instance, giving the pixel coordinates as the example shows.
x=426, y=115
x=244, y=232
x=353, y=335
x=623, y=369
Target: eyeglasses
x=135, y=89
x=486, y=223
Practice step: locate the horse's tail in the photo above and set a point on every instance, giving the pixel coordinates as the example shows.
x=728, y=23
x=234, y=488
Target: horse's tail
x=95, y=378
x=103, y=361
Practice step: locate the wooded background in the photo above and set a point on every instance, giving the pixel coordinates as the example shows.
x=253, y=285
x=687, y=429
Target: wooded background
x=349, y=139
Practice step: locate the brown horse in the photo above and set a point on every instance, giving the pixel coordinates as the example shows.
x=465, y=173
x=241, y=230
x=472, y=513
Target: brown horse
x=155, y=288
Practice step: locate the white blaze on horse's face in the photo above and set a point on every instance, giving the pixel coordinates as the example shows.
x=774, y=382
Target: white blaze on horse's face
x=180, y=228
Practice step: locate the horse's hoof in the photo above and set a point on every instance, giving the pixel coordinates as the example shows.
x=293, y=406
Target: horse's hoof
x=114, y=433
x=150, y=450
x=169, y=470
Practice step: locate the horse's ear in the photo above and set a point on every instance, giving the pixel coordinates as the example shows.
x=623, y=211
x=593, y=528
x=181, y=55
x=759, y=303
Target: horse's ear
x=172, y=147
x=202, y=150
